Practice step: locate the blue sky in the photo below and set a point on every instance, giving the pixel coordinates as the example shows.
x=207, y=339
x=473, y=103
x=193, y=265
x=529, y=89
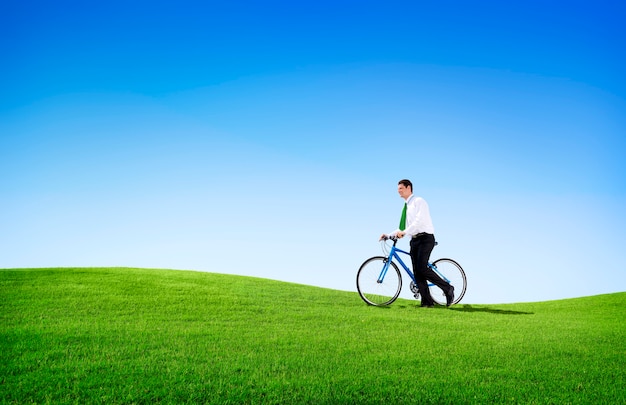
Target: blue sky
x=267, y=138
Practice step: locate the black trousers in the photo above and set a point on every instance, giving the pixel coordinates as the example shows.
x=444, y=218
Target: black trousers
x=421, y=247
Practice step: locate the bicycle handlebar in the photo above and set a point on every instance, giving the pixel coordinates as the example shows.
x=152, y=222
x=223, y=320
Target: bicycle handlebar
x=395, y=239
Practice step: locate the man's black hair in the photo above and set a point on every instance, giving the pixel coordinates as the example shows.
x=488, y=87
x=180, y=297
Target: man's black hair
x=406, y=183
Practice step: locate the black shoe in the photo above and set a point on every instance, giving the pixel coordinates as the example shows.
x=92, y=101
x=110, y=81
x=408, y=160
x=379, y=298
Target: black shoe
x=450, y=296
x=427, y=306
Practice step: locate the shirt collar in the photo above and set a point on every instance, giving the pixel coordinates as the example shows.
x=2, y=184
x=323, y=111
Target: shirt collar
x=410, y=198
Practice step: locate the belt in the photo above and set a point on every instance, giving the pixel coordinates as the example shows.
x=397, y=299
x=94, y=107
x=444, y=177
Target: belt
x=420, y=235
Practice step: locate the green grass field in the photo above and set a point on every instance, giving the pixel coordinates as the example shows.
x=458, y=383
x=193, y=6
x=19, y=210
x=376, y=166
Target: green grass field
x=157, y=336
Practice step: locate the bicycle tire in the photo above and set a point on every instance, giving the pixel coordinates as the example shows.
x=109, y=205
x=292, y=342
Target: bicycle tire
x=374, y=292
x=453, y=272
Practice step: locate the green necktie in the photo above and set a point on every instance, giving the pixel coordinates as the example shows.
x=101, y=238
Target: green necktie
x=403, y=219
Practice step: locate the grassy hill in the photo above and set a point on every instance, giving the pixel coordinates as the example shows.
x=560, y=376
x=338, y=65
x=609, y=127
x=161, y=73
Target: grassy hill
x=147, y=336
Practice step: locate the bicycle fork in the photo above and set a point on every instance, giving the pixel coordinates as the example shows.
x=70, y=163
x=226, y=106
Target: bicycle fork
x=383, y=273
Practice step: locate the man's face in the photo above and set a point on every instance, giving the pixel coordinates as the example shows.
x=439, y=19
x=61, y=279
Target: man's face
x=405, y=192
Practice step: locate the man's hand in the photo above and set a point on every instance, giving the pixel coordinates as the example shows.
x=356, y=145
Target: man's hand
x=400, y=234
x=383, y=236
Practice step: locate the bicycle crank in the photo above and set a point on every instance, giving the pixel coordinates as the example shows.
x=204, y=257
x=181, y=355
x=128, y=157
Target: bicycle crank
x=415, y=290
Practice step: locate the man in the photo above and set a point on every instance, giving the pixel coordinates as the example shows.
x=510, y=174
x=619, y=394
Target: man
x=416, y=223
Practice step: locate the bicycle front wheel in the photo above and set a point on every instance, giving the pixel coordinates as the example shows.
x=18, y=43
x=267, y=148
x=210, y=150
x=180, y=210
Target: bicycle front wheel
x=452, y=272
x=376, y=288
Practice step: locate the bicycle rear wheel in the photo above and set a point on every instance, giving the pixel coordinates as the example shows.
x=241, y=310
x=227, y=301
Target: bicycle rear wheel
x=453, y=273
x=374, y=290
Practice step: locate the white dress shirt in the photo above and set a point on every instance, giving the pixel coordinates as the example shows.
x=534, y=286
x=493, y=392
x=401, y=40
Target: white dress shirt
x=417, y=217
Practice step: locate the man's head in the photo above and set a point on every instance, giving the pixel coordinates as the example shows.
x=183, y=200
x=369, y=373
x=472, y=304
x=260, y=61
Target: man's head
x=405, y=188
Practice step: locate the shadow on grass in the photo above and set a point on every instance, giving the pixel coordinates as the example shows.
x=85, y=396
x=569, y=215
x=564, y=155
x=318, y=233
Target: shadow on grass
x=460, y=308
x=469, y=308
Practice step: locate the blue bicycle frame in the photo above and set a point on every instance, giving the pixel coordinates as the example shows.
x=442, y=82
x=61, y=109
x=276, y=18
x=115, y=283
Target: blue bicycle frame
x=393, y=254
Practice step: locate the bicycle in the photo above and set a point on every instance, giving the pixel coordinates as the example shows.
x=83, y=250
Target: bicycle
x=379, y=286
